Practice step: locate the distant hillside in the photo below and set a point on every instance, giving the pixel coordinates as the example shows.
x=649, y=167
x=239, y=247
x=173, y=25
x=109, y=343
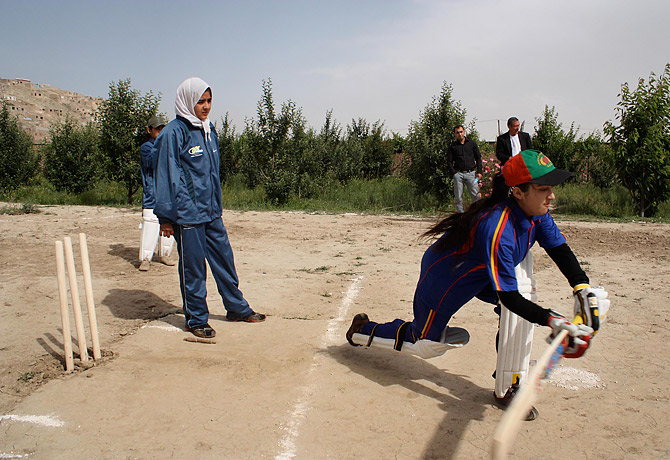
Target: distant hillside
x=38, y=105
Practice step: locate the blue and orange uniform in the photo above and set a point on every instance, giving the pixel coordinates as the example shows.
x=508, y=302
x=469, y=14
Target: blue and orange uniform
x=483, y=267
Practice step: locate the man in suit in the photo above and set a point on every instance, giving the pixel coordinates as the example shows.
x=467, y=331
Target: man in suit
x=512, y=142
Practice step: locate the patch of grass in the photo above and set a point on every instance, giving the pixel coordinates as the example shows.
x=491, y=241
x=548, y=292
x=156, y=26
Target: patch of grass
x=26, y=377
x=41, y=191
x=323, y=268
x=25, y=208
x=585, y=199
x=235, y=195
x=390, y=195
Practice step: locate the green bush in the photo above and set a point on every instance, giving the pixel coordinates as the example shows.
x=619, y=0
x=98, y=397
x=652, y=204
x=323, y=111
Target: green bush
x=71, y=159
x=428, y=141
x=18, y=161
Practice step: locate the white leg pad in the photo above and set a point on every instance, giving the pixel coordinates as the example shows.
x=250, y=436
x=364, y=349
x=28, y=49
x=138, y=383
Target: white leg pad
x=516, y=334
x=452, y=337
x=165, y=246
x=149, y=237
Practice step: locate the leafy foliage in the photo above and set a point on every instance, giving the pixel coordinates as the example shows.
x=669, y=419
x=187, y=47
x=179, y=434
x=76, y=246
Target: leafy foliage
x=272, y=147
x=71, y=159
x=18, y=160
x=553, y=141
x=428, y=141
x=641, y=141
x=123, y=119
x=591, y=153
x=229, y=149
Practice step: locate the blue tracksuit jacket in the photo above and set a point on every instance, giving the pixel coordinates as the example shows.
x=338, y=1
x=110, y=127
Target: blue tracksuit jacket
x=188, y=189
x=147, y=166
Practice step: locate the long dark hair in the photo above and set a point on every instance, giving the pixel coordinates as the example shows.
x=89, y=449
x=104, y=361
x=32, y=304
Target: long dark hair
x=456, y=227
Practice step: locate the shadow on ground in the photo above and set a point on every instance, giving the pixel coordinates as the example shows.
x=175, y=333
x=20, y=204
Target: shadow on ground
x=463, y=402
x=137, y=304
x=129, y=254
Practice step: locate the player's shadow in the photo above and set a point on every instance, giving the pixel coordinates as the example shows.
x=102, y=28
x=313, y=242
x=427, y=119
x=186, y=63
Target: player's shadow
x=137, y=304
x=463, y=403
x=127, y=253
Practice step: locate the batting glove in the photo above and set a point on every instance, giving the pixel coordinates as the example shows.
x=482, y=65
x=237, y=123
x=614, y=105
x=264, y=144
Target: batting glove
x=579, y=335
x=586, y=306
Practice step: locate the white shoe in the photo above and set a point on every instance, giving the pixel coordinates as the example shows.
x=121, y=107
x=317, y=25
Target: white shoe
x=144, y=266
x=166, y=261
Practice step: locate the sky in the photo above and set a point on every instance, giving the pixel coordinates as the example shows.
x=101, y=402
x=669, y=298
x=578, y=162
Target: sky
x=378, y=60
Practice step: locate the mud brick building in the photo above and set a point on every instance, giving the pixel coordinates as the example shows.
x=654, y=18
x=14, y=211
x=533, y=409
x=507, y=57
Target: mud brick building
x=38, y=106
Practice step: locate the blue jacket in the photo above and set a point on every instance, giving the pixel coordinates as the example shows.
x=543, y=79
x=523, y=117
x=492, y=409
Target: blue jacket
x=187, y=184
x=147, y=166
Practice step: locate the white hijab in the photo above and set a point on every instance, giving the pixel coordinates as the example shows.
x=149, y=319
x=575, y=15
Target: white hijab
x=188, y=95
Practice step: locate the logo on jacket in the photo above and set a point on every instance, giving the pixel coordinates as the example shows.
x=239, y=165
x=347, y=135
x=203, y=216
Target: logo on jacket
x=195, y=151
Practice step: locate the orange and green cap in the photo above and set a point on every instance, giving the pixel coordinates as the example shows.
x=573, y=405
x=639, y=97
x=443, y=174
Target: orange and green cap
x=532, y=166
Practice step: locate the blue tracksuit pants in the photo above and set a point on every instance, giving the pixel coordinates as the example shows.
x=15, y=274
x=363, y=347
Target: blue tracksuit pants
x=195, y=244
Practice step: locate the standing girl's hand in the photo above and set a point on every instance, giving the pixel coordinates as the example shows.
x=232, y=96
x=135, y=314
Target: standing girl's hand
x=167, y=230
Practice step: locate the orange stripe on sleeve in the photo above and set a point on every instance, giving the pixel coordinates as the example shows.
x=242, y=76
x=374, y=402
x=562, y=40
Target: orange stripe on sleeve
x=495, y=244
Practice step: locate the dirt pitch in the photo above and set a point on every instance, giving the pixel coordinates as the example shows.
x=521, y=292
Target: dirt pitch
x=291, y=388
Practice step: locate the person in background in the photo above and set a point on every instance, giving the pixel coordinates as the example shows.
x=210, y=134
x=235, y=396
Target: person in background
x=512, y=142
x=465, y=165
x=150, y=236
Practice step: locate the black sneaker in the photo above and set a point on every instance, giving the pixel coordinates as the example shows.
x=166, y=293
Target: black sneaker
x=505, y=401
x=356, y=326
x=251, y=318
x=204, y=332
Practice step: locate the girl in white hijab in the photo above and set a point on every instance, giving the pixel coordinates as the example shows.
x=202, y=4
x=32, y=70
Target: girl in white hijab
x=188, y=205
x=188, y=94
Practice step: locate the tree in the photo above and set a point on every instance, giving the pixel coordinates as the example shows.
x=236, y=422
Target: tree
x=592, y=153
x=641, y=141
x=557, y=144
x=273, y=146
x=376, y=155
x=428, y=140
x=123, y=118
x=71, y=159
x=18, y=161
x=229, y=149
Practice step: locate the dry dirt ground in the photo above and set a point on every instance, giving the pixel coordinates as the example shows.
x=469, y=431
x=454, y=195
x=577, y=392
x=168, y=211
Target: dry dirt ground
x=291, y=387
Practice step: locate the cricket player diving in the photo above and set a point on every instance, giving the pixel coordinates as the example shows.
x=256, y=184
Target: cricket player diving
x=478, y=254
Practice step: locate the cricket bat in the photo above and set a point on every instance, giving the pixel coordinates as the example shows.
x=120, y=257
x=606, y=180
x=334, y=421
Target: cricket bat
x=509, y=424
x=506, y=431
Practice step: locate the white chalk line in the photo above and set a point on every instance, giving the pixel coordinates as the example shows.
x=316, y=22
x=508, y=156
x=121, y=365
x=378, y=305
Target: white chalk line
x=13, y=455
x=331, y=337
x=41, y=420
x=164, y=327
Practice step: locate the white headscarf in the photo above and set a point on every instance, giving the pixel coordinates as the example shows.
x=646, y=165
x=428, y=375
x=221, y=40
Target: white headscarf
x=188, y=95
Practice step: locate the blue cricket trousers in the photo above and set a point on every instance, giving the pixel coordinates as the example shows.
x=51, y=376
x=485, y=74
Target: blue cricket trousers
x=195, y=244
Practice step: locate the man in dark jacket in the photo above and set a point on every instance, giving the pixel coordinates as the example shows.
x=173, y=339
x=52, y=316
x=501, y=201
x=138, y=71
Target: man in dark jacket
x=465, y=164
x=512, y=142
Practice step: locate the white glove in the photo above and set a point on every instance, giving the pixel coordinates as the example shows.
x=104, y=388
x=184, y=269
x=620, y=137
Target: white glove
x=587, y=306
x=579, y=334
